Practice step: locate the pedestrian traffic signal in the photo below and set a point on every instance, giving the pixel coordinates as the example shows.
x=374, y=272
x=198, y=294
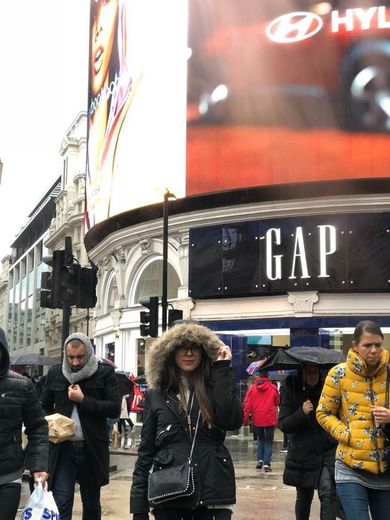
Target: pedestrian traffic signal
x=149, y=320
x=51, y=281
x=174, y=315
x=67, y=284
x=86, y=288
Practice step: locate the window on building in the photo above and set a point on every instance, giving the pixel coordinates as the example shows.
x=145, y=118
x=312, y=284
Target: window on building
x=150, y=283
x=109, y=351
x=113, y=294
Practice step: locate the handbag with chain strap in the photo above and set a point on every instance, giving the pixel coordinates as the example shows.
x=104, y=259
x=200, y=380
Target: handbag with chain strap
x=175, y=482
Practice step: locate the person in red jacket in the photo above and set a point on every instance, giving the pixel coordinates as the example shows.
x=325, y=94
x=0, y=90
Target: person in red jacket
x=261, y=402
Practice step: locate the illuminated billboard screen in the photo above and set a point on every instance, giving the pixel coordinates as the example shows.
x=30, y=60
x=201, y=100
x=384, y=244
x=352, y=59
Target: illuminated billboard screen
x=136, y=105
x=287, y=91
x=204, y=96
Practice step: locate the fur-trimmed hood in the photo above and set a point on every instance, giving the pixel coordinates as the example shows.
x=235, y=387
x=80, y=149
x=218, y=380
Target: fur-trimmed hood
x=160, y=350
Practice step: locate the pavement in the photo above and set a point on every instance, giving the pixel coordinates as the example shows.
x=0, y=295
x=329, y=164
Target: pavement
x=259, y=494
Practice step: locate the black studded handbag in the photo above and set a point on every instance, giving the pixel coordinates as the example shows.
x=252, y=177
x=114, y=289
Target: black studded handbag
x=167, y=484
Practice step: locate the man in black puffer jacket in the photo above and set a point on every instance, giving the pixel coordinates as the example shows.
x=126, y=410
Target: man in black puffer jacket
x=19, y=404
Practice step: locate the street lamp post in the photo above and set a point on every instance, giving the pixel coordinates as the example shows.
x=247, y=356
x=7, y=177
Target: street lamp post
x=164, y=298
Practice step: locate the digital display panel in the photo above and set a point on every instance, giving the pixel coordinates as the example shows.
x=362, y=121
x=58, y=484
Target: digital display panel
x=136, y=105
x=200, y=97
x=287, y=91
x=328, y=253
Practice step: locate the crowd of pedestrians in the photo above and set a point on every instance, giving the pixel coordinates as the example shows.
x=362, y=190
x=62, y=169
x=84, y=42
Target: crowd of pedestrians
x=338, y=429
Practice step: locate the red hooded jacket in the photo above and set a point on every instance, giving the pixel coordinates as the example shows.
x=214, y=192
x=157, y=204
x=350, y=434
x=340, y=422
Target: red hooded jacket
x=261, y=401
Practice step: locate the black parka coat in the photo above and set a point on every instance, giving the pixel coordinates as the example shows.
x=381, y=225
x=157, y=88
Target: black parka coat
x=310, y=447
x=19, y=404
x=165, y=437
x=101, y=400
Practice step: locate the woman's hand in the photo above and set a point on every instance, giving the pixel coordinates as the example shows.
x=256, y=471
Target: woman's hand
x=224, y=353
x=381, y=414
x=307, y=407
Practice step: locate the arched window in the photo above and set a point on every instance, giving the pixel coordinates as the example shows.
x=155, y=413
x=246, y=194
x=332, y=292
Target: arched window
x=112, y=294
x=150, y=282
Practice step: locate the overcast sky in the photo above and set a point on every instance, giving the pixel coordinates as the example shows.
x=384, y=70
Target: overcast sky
x=44, y=69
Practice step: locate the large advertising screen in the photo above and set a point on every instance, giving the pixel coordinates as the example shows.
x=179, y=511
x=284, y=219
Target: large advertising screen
x=136, y=105
x=204, y=96
x=287, y=91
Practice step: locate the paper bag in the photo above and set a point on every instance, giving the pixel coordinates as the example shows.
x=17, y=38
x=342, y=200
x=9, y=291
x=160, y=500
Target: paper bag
x=61, y=428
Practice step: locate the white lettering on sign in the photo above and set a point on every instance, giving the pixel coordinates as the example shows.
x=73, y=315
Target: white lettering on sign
x=352, y=17
x=383, y=20
x=273, y=263
x=300, y=25
x=299, y=253
x=327, y=247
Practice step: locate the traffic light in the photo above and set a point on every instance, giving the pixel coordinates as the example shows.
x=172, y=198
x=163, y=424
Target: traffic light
x=86, y=288
x=68, y=283
x=51, y=281
x=149, y=320
x=174, y=315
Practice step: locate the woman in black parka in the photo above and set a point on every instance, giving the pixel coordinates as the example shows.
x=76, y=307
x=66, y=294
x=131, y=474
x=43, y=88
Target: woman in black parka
x=188, y=369
x=311, y=451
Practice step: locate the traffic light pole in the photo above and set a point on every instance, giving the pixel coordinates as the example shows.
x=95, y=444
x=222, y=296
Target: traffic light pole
x=66, y=312
x=164, y=298
x=66, y=308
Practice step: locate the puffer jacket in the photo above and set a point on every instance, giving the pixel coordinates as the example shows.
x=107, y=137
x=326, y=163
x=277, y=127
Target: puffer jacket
x=310, y=447
x=166, y=435
x=19, y=404
x=344, y=410
x=261, y=403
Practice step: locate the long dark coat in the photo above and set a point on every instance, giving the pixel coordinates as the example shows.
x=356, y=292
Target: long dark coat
x=101, y=400
x=165, y=435
x=309, y=446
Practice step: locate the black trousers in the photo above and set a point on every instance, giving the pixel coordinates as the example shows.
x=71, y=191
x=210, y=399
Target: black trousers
x=197, y=514
x=9, y=500
x=326, y=494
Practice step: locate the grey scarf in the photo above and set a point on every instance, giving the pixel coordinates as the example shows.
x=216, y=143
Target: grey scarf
x=90, y=366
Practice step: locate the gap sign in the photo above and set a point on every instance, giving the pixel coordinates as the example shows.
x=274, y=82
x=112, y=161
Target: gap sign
x=331, y=253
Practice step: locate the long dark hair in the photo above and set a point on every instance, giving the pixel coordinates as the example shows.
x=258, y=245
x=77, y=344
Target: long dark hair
x=171, y=380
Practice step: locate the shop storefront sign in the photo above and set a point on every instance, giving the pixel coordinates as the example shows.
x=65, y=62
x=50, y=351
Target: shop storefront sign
x=334, y=253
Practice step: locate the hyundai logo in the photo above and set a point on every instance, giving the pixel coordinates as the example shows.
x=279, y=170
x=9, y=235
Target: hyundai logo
x=294, y=27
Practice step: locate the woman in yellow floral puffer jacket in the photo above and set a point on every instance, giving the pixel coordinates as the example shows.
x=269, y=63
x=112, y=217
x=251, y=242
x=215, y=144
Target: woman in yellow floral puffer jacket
x=352, y=409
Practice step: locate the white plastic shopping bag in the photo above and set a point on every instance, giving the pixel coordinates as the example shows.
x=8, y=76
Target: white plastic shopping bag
x=41, y=505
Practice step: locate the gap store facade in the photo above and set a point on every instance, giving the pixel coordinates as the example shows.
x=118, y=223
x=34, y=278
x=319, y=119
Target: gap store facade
x=271, y=128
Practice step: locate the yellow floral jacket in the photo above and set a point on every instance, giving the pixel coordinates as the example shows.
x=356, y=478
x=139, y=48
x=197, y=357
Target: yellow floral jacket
x=344, y=410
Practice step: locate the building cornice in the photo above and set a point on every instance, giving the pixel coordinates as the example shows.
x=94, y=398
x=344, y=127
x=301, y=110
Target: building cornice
x=240, y=213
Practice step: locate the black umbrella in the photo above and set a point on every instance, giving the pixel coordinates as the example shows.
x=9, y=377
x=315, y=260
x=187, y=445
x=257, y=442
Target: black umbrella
x=31, y=359
x=125, y=385
x=317, y=355
x=294, y=357
x=280, y=360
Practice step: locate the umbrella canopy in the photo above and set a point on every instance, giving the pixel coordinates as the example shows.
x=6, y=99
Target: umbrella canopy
x=280, y=360
x=293, y=358
x=318, y=355
x=106, y=361
x=125, y=384
x=31, y=359
x=254, y=367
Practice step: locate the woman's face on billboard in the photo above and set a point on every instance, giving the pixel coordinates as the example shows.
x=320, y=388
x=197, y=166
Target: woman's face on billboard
x=103, y=33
